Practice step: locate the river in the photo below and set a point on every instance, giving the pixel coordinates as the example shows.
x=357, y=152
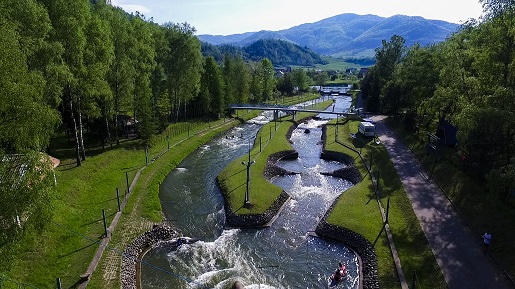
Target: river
x=281, y=256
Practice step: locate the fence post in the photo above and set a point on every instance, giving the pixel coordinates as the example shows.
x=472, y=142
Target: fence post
x=127, y=181
x=58, y=282
x=387, y=209
x=260, y=144
x=168, y=137
x=413, y=280
x=146, y=155
x=105, y=222
x=336, y=131
x=188, y=130
x=118, y=198
x=377, y=182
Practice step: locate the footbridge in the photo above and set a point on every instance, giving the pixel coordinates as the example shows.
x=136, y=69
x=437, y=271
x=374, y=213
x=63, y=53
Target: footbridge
x=291, y=110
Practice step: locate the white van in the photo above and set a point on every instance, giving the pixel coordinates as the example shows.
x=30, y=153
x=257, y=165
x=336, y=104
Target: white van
x=367, y=129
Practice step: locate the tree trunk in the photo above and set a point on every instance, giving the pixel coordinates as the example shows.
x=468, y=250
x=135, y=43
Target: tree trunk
x=116, y=109
x=81, y=135
x=74, y=127
x=172, y=102
x=185, y=105
x=106, y=118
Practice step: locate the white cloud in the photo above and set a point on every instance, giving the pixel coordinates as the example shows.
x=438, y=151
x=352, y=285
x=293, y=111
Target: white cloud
x=131, y=7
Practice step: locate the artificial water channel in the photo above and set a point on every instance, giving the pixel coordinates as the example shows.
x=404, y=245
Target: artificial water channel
x=281, y=256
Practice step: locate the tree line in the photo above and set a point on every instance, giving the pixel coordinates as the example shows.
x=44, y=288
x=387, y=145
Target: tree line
x=468, y=80
x=280, y=52
x=78, y=64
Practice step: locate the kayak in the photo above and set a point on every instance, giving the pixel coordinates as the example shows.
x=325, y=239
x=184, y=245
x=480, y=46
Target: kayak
x=335, y=280
x=183, y=240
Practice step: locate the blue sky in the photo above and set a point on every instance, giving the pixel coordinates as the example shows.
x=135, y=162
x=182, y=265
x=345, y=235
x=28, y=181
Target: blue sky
x=224, y=17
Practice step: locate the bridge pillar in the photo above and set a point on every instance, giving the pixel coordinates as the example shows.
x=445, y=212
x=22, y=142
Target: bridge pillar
x=294, y=115
x=276, y=114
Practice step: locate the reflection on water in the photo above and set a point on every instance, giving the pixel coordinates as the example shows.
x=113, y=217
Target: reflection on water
x=282, y=256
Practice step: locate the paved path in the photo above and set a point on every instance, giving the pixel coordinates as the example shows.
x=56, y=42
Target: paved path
x=457, y=250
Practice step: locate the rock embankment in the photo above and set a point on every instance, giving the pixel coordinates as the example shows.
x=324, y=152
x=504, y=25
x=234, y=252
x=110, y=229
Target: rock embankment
x=356, y=242
x=131, y=255
x=255, y=220
x=272, y=170
x=350, y=172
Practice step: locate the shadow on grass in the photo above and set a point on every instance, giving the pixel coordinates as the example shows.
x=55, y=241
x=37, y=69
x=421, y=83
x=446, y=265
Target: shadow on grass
x=77, y=284
x=238, y=172
x=359, y=141
x=237, y=188
x=92, y=222
x=106, y=201
x=64, y=148
x=132, y=169
x=379, y=235
x=76, y=251
x=242, y=207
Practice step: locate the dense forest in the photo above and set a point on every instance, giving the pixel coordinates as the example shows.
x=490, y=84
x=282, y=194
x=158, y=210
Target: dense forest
x=280, y=52
x=468, y=80
x=86, y=66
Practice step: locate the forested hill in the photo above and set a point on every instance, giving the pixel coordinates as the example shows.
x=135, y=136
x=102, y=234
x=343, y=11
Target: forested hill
x=348, y=35
x=280, y=52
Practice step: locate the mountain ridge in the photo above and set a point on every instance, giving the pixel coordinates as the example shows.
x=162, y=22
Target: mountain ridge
x=348, y=34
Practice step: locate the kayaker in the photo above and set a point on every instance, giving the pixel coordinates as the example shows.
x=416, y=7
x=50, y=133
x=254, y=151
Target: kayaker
x=339, y=271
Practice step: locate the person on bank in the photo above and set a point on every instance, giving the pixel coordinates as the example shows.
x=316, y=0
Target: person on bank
x=487, y=238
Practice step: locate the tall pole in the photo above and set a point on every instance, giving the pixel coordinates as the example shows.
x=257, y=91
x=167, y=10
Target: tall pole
x=247, y=197
x=247, y=190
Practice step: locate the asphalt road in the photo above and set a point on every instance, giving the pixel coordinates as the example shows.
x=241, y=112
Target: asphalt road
x=457, y=250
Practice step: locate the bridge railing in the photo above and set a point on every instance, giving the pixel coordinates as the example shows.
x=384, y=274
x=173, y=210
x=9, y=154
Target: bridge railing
x=257, y=105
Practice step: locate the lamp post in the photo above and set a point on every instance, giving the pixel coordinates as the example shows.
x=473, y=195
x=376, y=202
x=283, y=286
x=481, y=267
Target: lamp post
x=248, y=164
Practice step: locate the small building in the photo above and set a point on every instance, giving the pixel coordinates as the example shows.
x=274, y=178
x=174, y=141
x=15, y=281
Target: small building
x=367, y=129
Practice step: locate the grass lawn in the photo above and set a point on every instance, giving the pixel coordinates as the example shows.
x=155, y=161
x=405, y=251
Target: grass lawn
x=481, y=210
x=357, y=210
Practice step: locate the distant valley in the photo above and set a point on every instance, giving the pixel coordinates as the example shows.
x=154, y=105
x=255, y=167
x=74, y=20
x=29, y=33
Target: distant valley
x=348, y=36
